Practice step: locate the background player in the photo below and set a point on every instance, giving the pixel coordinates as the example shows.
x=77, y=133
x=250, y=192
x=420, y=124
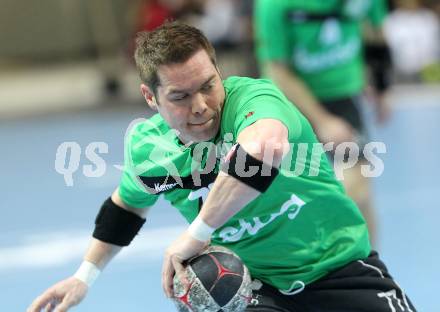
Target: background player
x=313, y=51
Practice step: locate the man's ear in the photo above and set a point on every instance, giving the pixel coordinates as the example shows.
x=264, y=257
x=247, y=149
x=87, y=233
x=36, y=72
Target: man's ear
x=149, y=97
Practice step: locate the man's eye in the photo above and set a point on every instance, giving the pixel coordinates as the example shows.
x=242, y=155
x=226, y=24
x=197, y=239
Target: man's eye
x=180, y=97
x=207, y=87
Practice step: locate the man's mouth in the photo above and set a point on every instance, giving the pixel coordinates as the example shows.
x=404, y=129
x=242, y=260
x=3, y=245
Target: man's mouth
x=200, y=123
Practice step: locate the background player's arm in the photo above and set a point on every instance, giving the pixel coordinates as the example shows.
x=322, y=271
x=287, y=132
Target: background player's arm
x=71, y=291
x=329, y=128
x=378, y=59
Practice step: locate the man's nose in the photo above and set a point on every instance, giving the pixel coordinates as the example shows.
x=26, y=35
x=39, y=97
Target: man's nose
x=198, y=104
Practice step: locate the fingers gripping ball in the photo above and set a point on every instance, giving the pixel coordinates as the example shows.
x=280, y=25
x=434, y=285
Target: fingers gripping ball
x=219, y=281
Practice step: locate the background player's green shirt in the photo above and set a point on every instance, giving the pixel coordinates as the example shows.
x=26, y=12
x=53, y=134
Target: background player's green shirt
x=300, y=229
x=325, y=51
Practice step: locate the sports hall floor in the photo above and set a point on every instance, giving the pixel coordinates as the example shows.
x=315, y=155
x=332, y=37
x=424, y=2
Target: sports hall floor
x=45, y=225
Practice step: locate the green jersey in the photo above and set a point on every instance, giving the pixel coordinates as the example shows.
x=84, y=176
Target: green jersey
x=319, y=40
x=300, y=229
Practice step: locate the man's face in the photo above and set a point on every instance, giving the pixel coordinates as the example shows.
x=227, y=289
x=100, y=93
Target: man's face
x=189, y=98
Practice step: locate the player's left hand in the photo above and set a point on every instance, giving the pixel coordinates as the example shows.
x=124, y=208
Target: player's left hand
x=180, y=250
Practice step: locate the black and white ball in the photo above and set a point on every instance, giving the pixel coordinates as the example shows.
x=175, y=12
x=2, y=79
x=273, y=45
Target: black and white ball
x=219, y=281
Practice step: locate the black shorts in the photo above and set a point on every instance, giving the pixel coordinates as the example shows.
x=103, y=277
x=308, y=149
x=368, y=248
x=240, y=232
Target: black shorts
x=349, y=109
x=361, y=286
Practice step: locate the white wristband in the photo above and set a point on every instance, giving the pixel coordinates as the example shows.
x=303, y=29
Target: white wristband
x=200, y=230
x=88, y=272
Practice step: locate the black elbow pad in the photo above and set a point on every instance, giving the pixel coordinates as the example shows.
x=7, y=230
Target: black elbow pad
x=115, y=225
x=238, y=166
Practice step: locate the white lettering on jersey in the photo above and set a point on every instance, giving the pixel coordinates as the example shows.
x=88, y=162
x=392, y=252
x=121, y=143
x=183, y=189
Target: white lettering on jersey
x=253, y=226
x=200, y=193
x=163, y=187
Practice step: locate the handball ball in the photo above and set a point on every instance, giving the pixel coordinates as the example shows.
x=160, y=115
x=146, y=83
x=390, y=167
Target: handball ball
x=219, y=281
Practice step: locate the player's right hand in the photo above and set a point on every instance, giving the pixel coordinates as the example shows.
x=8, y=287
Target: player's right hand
x=60, y=297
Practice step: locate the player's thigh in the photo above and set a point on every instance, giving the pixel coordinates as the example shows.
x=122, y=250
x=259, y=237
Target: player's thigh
x=363, y=285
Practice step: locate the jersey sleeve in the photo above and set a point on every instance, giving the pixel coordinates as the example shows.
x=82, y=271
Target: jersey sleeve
x=265, y=101
x=133, y=193
x=132, y=190
x=270, y=30
x=377, y=13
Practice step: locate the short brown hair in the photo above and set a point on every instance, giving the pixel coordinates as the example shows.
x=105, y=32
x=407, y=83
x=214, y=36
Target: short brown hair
x=173, y=42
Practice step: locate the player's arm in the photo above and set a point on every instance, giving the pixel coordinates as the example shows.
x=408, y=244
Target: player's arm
x=115, y=227
x=260, y=145
x=327, y=126
x=104, y=246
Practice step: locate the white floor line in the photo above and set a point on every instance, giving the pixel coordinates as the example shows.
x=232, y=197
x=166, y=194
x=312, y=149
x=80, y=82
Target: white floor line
x=56, y=249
